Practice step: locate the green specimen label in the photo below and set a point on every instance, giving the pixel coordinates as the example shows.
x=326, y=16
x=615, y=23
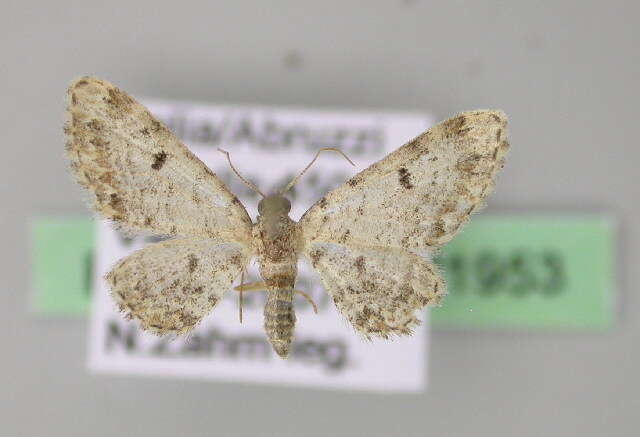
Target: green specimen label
x=527, y=271
x=61, y=258
x=501, y=271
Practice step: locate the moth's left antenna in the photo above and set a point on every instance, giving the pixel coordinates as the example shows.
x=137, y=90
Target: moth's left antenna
x=246, y=182
x=324, y=149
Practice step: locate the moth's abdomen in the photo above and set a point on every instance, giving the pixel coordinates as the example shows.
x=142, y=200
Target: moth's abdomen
x=280, y=319
x=279, y=316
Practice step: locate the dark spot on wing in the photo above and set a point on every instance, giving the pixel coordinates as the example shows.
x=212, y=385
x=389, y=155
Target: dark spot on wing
x=118, y=98
x=438, y=229
x=405, y=178
x=447, y=208
x=344, y=237
x=316, y=255
x=97, y=142
x=455, y=126
x=95, y=124
x=159, y=160
x=354, y=181
x=468, y=163
x=359, y=263
x=115, y=202
x=188, y=319
x=208, y=171
x=414, y=145
x=193, y=263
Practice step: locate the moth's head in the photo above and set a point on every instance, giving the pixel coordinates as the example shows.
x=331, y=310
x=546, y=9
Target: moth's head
x=274, y=205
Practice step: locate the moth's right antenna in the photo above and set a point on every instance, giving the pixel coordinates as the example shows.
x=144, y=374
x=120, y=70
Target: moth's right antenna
x=324, y=149
x=246, y=182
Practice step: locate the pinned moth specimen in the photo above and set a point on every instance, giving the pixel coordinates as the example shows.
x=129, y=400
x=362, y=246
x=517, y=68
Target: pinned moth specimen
x=366, y=238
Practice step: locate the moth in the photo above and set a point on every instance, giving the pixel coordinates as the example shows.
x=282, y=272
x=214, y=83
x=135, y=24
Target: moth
x=367, y=239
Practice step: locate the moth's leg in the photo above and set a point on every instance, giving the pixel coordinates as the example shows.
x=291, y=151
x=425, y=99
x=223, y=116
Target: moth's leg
x=261, y=286
x=240, y=295
x=308, y=299
x=251, y=286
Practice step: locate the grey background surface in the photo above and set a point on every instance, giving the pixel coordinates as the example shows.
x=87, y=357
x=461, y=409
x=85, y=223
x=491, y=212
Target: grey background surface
x=566, y=73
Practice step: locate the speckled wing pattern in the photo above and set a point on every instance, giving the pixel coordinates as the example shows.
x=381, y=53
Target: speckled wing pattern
x=170, y=286
x=144, y=180
x=377, y=289
x=412, y=201
x=139, y=174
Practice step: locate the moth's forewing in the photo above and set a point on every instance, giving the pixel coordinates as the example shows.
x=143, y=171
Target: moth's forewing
x=137, y=172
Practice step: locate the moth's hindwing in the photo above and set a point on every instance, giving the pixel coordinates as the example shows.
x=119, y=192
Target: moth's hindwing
x=378, y=289
x=170, y=286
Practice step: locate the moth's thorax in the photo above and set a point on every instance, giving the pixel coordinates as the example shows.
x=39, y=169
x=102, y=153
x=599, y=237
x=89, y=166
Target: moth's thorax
x=276, y=241
x=276, y=236
x=276, y=244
